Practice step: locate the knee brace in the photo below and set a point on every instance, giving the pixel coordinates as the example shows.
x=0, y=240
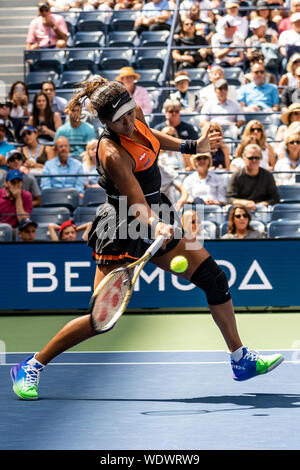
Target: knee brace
x=213, y=281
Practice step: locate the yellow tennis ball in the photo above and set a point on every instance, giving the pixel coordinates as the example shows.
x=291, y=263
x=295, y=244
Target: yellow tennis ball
x=179, y=264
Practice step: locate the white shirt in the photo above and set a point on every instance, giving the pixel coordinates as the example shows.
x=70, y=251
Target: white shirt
x=242, y=28
x=213, y=112
x=208, y=93
x=284, y=164
x=211, y=187
x=219, y=39
x=289, y=37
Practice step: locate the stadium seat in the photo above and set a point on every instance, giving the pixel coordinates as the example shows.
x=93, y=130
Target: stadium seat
x=41, y=233
x=256, y=224
x=149, y=78
x=199, y=77
x=47, y=215
x=122, y=39
x=48, y=61
x=113, y=59
x=289, y=193
x=6, y=233
x=233, y=75
x=91, y=21
x=109, y=74
x=154, y=38
x=210, y=230
x=150, y=59
x=80, y=60
x=93, y=39
x=94, y=196
x=286, y=211
x=123, y=20
x=213, y=213
x=60, y=197
x=84, y=214
x=69, y=78
x=35, y=79
x=284, y=229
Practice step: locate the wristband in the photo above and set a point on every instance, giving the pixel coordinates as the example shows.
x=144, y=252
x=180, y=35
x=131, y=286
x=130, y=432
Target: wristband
x=188, y=147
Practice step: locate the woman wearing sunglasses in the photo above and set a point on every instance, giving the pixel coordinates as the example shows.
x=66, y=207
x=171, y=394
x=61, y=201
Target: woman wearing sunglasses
x=289, y=160
x=239, y=225
x=35, y=154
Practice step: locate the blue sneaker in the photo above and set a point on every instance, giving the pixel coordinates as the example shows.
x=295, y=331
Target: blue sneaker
x=253, y=363
x=25, y=377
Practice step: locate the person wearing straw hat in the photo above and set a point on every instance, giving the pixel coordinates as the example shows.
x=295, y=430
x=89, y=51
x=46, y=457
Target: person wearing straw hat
x=289, y=117
x=128, y=77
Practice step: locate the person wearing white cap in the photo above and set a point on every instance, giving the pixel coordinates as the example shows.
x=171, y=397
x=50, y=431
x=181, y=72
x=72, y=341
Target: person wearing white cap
x=290, y=37
x=189, y=100
x=285, y=24
x=228, y=35
x=232, y=11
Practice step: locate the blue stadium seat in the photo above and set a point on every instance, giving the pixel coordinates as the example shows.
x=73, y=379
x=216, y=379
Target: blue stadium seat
x=94, y=196
x=213, y=213
x=289, y=193
x=34, y=79
x=60, y=197
x=122, y=39
x=113, y=59
x=80, y=60
x=91, y=21
x=210, y=230
x=123, y=20
x=284, y=229
x=150, y=59
x=256, y=224
x=93, y=39
x=84, y=214
x=233, y=75
x=65, y=93
x=52, y=60
x=109, y=74
x=154, y=38
x=47, y=215
x=199, y=77
x=149, y=78
x=6, y=233
x=286, y=211
x=69, y=78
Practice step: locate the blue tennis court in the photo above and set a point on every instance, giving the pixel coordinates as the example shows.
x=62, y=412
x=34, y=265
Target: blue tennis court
x=151, y=400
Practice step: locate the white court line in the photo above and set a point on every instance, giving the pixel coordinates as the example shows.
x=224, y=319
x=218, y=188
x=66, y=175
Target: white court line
x=138, y=363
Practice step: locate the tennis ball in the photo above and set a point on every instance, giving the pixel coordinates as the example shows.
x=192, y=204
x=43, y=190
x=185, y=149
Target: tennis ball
x=179, y=264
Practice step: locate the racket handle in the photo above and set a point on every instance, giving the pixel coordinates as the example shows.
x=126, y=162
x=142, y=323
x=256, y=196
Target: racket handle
x=155, y=246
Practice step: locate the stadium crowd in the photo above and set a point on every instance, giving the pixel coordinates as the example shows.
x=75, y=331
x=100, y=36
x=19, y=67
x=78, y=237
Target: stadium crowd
x=250, y=54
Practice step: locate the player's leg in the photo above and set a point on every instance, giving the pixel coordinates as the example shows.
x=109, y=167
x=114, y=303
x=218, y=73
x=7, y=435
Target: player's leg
x=204, y=272
x=26, y=375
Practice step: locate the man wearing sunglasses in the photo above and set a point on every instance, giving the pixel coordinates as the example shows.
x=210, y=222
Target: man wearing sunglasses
x=47, y=30
x=252, y=185
x=172, y=108
x=258, y=95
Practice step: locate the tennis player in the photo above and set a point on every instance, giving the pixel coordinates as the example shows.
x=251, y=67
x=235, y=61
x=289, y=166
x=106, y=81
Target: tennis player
x=127, y=163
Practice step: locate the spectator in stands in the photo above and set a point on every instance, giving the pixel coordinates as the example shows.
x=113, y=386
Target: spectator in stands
x=140, y=95
x=291, y=94
x=289, y=79
x=252, y=185
x=155, y=15
x=220, y=153
x=228, y=35
x=63, y=164
x=239, y=224
x=259, y=27
x=128, y=5
x=47, y=30
x=204, y=21
x=289, y=160
x=5, y=147
x=171, y=108
x=204, y=185
x=67, y=231
x=232, y=11
x=208, y=94
x=19, y=97
x=222, y=110
x=188, y=99
x=13, y=125
x=204, y=7
x=57, y=103
x=35, y=154
x=257, y=57
x=77, y=5
x=285, y=24
x=290, y=37
x=15, y=161
x=15, y=203
x=258, y=95
x=191, y=58
x=27, y=229
x=288, y=117
x=264, y=10
x=89, y=163
x=255, y=130
x=59, y=5
x=175, y=160
x=77, y=131
x=43, y=118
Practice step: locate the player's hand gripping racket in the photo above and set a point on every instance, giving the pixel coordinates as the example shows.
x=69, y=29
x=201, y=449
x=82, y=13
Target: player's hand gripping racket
x=112, y=295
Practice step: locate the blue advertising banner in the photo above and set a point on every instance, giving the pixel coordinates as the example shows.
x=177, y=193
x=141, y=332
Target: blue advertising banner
x=59, y=276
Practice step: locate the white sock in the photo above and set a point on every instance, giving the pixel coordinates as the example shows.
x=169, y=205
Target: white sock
x=238, y=354
x=33, y=362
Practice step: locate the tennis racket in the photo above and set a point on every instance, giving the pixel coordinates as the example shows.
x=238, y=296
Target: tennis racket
x=112, y=295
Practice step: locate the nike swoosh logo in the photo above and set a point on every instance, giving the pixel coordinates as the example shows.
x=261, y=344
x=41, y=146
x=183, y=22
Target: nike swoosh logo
x=115, y=105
